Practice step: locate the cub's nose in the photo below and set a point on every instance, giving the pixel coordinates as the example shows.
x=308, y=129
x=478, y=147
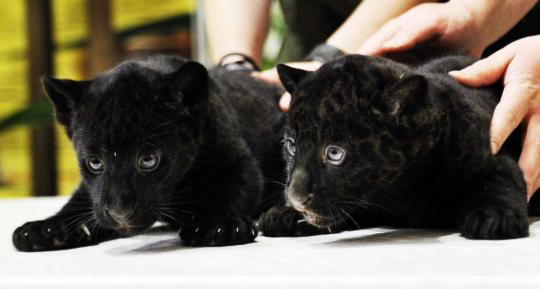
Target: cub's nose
x=120, y=215
x=301, y=202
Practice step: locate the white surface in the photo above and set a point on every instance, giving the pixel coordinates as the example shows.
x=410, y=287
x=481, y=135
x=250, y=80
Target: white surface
x=374, y=258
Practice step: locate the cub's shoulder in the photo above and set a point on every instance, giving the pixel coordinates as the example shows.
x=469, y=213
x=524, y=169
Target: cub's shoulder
x=446, y=64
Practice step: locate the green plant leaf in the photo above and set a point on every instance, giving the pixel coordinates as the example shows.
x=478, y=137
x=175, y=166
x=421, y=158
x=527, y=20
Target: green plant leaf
x=34, y=115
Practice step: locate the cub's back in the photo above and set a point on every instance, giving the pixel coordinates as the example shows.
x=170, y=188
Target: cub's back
x=254, y=102
x=467, y=102
x=480, y=101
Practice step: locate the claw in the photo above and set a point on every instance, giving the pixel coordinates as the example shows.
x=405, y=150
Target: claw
x=57, y=243
x=86, y=231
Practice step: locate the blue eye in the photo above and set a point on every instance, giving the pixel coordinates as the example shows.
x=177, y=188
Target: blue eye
x=335, y=155
x=290, y=146
x=95, y=165
x=148, y=162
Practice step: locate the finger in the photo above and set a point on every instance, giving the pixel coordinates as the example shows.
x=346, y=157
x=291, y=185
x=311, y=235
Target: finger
x=270, y=76
x=486, y=71
x=285, y=101
x=374, y=44
x=529, y=161
x=509, y=113
x=418, y=31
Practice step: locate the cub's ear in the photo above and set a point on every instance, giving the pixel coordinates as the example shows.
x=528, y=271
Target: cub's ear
x=65, y=95
x=190, y=81
x=290, y=76
x=403, y=97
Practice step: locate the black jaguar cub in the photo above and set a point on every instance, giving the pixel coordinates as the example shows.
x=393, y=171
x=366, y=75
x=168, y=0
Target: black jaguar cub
x=163, y=139
x=374, y=142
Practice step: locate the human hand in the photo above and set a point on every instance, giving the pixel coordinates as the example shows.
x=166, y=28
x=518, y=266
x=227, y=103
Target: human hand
x=271, y=76
x=518, y=64
x=451, y=25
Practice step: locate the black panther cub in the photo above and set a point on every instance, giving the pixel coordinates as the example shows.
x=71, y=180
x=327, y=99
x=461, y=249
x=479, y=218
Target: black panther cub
x=164, y=139
x=371, y=141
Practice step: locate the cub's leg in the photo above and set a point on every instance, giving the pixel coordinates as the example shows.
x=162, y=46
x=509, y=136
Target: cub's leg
x=495, y=207
x=74, y=226
x=233, y=196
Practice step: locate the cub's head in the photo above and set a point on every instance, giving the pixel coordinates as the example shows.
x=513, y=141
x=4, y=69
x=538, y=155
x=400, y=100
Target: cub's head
x=135, y=131
x=355, y=127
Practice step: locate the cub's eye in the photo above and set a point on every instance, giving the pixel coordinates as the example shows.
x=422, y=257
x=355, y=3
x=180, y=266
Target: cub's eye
x=290, y=146
x=95, y=165
x=335, y=155
x=148, y=162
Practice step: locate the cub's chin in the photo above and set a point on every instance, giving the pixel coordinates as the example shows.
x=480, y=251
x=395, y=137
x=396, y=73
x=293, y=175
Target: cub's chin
x=321, y=220
x=126, y=229
x=130, y=230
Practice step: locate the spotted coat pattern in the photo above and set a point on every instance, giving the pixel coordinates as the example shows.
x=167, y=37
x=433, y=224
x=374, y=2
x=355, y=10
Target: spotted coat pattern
x=416, y=152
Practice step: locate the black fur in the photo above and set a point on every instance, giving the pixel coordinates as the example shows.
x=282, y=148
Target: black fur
x=416, y=152
x=214, y=136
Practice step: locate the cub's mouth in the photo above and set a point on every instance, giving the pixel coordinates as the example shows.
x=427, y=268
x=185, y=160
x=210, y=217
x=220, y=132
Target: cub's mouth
x=321, y=219
x=130, y=230
x=126, y=225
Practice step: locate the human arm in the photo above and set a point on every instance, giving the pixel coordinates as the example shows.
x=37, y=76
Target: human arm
x=461, y=25
x=237, y=26
x=366, y=19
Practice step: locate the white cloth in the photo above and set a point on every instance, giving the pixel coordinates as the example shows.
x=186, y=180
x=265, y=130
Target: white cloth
x=373, y=258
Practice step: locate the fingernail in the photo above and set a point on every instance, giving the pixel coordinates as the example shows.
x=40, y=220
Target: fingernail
x=284, y=102
x=458, y=73
x=494, y=147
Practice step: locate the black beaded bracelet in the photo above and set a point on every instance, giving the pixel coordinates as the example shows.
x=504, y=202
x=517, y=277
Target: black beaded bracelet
x=245, y=63
x=324, y=53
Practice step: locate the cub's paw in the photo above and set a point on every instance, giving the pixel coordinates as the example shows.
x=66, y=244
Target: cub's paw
x=220, y=231
x=495, y=223
x=45, y=235
x=286, y=222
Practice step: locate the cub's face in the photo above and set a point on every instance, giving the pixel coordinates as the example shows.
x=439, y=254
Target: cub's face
x=354, y=127
x=135, y=132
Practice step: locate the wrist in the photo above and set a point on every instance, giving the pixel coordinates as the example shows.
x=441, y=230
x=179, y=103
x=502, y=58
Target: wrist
x=239, y=62
x=466, y=26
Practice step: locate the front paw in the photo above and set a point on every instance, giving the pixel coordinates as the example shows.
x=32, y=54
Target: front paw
x=286, y=222
x=495, y=223
x=219, y=231
x=46, y=235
